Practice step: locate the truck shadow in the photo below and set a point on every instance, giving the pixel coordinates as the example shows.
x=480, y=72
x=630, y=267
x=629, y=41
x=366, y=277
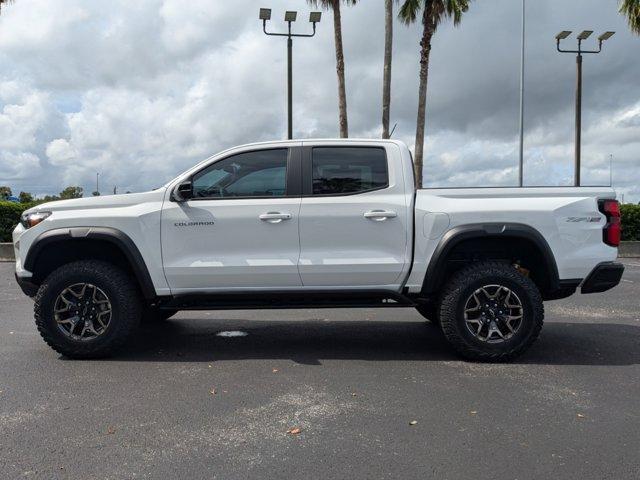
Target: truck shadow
x=311, y=341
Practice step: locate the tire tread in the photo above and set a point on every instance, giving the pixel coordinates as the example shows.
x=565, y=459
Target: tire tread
x=127, y=297
x=449, y=305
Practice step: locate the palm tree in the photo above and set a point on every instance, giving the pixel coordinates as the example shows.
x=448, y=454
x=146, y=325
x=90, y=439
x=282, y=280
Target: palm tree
x=386, y=72
x=334, y=5
x=433, y=12
x=2, y=2
x=631, y=9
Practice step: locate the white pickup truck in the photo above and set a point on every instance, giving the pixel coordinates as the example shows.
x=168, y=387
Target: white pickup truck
x=315, y=223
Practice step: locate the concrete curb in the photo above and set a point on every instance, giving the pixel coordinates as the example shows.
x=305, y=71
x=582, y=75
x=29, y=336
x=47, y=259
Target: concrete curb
x=6, y=252
x=626, y=250
x=629, y=250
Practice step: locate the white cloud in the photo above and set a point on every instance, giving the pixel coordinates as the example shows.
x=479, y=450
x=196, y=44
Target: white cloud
x=141, y=90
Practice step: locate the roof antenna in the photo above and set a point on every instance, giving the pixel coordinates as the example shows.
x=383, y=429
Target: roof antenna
x=393, y=129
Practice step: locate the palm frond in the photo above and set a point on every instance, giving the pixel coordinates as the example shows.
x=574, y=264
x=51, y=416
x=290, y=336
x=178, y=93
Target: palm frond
x=328, y=4
x=409, y=11
x=631, y=9
x=438, y=10
x=2, y=2
x=455, y=9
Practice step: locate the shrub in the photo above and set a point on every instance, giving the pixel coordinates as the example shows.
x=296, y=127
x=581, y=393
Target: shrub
x=630, y=221
x=10, y=217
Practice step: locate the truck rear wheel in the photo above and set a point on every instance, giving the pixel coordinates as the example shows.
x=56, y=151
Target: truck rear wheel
x=87, y=309
x=489, y=311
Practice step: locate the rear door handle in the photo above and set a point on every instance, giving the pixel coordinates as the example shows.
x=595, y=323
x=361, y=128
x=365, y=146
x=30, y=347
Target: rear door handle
x=274, y=217
x=380, y=215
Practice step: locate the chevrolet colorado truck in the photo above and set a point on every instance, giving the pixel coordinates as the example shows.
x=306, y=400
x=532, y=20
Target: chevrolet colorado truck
x=315, y=223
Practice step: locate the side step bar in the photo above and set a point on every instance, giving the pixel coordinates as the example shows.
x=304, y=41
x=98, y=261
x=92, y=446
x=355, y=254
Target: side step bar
x=287, y=299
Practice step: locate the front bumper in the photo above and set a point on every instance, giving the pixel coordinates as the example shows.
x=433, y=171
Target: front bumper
x=27, y=286
x=603, y=277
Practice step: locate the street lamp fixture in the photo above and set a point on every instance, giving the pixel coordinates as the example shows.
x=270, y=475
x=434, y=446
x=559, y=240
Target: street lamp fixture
x=563, y=34
x=584, y=35
x=289, y=17
x=265, y=14
x=606, y=36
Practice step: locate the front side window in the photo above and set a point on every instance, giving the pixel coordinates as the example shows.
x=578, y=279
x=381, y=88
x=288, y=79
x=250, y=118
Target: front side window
x=252, y=174
x=347, y=170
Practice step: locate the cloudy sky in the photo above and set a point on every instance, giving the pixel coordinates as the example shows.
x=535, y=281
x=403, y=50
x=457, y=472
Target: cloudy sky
x=139, y=91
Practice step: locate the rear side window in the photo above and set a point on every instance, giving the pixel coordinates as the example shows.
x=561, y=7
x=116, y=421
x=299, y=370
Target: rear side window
x=347, y=170
x=251, y=174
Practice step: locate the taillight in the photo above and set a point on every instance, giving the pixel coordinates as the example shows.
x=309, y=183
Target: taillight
x=612, y=230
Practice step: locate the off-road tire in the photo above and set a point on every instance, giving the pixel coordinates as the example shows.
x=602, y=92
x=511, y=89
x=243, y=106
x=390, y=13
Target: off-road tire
x=430, y=311
x=121, y=291
x=458, y=289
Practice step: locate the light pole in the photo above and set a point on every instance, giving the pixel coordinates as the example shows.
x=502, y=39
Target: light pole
x=289, y=17
x=581, y=37
x=521, y=165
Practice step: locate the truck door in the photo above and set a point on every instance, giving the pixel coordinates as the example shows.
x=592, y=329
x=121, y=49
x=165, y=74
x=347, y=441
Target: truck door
x=240, y=228
x=354, y=218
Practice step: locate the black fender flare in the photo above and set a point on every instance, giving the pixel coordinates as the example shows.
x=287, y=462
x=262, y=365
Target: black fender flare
x=112, y=235
x=436, y=269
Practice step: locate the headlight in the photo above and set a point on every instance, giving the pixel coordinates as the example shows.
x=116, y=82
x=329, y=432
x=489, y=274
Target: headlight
x=29, y=220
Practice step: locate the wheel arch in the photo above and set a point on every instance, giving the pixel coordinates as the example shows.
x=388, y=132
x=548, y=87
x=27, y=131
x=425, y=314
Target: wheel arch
x=56, y=247
x=500, y=235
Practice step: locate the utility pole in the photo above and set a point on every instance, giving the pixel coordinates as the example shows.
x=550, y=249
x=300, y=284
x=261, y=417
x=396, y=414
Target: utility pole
x=581, y=37
x=97, y=182
x=289, y=17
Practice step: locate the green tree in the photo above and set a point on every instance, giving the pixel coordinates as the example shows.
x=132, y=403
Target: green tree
x=5, y=192
x=95, y=193
x=433, y=12
x=25, y=197
x=631, y=10
x=71, y=192
x=334, y=6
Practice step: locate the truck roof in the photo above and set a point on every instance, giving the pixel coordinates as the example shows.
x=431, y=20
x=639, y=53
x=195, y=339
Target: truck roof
x=324, y=140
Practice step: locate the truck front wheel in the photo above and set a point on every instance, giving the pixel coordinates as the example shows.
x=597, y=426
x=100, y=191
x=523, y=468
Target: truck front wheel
x=87, y=309
x=489, y=311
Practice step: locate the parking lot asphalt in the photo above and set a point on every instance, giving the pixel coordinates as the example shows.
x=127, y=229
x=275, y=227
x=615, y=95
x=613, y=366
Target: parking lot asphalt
x=183, y=402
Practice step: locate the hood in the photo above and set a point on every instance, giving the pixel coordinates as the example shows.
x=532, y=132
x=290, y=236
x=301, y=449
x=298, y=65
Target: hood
x=107, y=201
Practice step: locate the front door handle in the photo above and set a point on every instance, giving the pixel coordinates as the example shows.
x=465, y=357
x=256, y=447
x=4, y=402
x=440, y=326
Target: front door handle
x=380, y=215
x=274, y=217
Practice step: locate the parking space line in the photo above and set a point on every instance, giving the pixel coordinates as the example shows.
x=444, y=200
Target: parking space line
x=631, y=264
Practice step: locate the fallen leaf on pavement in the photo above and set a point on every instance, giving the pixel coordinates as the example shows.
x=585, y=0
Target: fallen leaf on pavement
x=580, y=415
x=212, y=391
x=111, y=431
x=473, y=412
x=413, y=422
x=275, y=370
x=294, y=431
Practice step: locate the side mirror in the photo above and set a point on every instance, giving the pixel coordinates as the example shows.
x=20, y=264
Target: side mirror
x=183, y=192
